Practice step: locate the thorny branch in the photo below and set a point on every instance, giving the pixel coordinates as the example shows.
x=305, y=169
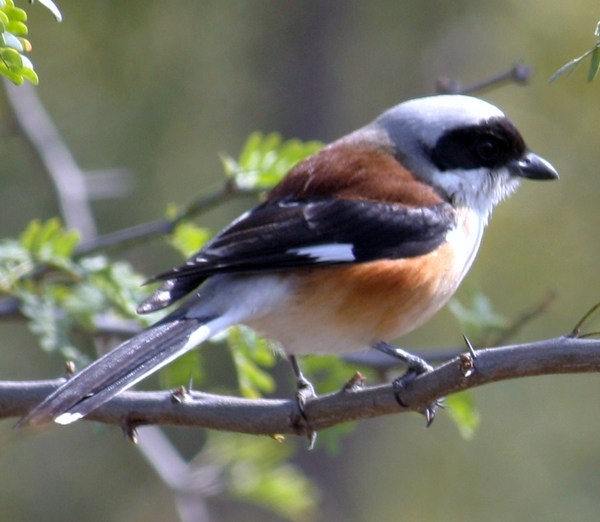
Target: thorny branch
x=561, y=355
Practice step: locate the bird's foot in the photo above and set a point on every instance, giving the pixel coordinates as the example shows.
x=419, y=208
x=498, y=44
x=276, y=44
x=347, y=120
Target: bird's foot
x=415, y=366
x=305, y=392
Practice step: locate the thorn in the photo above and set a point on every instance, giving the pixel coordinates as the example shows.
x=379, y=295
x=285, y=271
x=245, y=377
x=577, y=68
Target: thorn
x=179, y=395
x=312, y=438
x=467, y=360
x=70, y=368
x=470, y=347
x=355, y=383
x=130, y=432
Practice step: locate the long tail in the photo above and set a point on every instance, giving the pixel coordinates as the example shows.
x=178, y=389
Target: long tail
x=121, y=368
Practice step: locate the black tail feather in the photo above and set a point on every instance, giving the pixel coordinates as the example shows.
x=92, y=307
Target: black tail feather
x=116, y=371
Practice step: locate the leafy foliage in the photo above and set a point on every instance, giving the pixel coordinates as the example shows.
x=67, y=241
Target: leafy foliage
x=188, y=238
x=265, y=159
x=14, y=65
x=251, y=354
x=477, y=317
x=594, y=54
x=257, y=469
x=462, y=410
x=59, y=293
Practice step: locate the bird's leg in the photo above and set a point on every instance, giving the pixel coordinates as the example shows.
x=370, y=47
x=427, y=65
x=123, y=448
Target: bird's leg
x=415, y=366
x=305, y=391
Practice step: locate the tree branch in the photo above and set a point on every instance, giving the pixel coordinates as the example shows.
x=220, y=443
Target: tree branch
x=519, y=74
x=561, y=355
x=47, y=145
x=147, y=231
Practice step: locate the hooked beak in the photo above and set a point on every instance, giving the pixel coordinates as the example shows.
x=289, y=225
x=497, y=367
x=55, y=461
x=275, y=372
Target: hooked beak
x=532, y=166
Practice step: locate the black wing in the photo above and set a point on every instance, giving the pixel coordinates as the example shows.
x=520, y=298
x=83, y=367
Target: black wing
x=288, y=234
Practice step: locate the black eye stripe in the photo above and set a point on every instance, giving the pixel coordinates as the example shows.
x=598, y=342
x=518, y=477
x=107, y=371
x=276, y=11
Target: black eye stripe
x=490, y=144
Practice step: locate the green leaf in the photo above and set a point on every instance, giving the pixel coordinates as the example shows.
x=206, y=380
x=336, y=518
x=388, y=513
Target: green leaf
x=11, y=58
x=461, y=409
x=16, y=14
x=14, y=65
x=17, y=28
x=189, y=238
x=477, y=318
x=250, y=352
x=16, y=78
x=256, y=470
x=265, y=159
x=572, y=65
x=594, y=64
x=29, y=236
x=83, y=302
x=49, y=243
x=50, y=326
x=15, y=263
x=31, y=75
x=120, y=285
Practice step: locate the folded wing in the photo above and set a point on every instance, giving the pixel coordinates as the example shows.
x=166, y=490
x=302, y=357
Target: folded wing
x=302, y=233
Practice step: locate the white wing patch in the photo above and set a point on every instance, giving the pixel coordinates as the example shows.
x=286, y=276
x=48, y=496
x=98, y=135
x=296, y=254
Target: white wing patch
x=327, y=253
x=68, y=418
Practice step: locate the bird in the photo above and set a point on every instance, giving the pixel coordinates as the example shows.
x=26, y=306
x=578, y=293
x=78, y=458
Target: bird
x=357, y=245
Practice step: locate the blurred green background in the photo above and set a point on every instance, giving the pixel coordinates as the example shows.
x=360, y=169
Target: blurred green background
x=161, y=88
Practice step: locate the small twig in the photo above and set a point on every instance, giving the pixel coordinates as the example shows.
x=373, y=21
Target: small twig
x=576, y=332
x=522, y=320
x=190, y=484
x=161, y=227
x=519, y=73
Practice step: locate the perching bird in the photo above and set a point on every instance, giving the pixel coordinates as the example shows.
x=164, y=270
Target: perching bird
x=359, y=244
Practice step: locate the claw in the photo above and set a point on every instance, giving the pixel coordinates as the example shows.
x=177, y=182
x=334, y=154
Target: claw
x=305, y=392
x=415, y=367
x=431, y=411
x=130, y=432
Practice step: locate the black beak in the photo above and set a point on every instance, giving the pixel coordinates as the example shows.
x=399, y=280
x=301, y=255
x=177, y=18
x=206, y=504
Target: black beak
x=532, y=166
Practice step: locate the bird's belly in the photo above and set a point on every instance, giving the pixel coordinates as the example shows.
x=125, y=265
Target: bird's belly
x=349, y=308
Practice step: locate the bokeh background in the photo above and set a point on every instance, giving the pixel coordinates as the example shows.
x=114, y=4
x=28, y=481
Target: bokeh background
x=161, y=88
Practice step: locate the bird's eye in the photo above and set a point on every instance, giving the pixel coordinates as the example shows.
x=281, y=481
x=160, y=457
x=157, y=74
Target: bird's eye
x=490, y=149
